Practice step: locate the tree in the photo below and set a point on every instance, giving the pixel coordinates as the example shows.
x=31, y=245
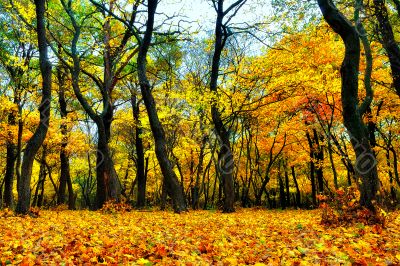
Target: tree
x=388, y=41
x=34, y=143
x=226, y=163
x=15, y=58
x=65, y=175
x=108, y=184
x=365, y=164
x=140, y=160
x=172, y=184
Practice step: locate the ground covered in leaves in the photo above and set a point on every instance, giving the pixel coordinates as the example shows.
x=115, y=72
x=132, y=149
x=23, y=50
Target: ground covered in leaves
x=249, y=236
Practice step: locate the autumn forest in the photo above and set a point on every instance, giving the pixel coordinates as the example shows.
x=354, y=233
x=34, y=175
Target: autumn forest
x=212, y=132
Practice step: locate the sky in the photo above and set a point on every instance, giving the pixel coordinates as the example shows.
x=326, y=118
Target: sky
x=202, y=12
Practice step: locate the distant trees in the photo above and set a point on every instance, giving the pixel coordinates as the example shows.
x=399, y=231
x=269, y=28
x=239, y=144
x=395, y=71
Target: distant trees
x=198, y=120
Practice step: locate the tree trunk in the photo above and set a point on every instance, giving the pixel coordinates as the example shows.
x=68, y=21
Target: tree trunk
x=64, y=157
x=226, y=164
x=388, y=41
x=108, y=186
x=319, y=156
x=392, y=189
x=282, y=194
x=19, y=145
x=312, y=170
x=140, y=175
x=34, y=143
x=395, y=167
x=365, y=165
x=199, y=172
x=172, y=184
x=298, y=196
x=71, y=195
x=287, y=185
x=10, y=167
x=41, y=178
x=332, y=161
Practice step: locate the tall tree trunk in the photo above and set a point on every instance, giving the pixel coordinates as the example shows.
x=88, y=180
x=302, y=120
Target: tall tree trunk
x=108, y=186
x=395, y=167
x=298, y=196
x=312, y=170
x=282, y=194
x=10, y=166
x=140, y=175
x=199, y=172
x=40, y=177
x=40, y=198
x=34, y=143
x=392, y=189
x=287, y=185
x=226, y=163
x=388, y=41
x=319, y=156
x=19, y=145
x=365, y=165
x=65, y=176
x=332, y=161
x=172, y=184
x=71, y=195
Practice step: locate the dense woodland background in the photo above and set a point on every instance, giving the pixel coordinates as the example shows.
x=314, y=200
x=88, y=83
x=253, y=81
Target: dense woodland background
x=115, y=100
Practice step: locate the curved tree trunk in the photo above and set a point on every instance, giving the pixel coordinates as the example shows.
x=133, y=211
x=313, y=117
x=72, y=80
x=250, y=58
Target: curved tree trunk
x=388, y=41
x=34, y=143
x=365, y=165
x=226, y=163
x=172, y=184
x=108, y=185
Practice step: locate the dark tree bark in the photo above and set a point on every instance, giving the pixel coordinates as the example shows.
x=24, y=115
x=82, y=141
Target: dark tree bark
x=108, y=185
x=282, y=194
x=10, y=166
x=390, y=173
x=40, y=197
x=365, y=165
x=140, y=167
x=330, y=153
x=199, y=172
x=226, y=163
x=319, y=156
x=287, y=185
x=298, y=196
x=65, y=176
x=388, y=41
x=19, y=145
x=312, y=170
x=172, y=184
x=41, y=179
x=34, y=143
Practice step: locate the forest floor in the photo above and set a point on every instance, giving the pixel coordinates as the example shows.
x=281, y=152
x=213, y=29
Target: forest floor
x=249, y=236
